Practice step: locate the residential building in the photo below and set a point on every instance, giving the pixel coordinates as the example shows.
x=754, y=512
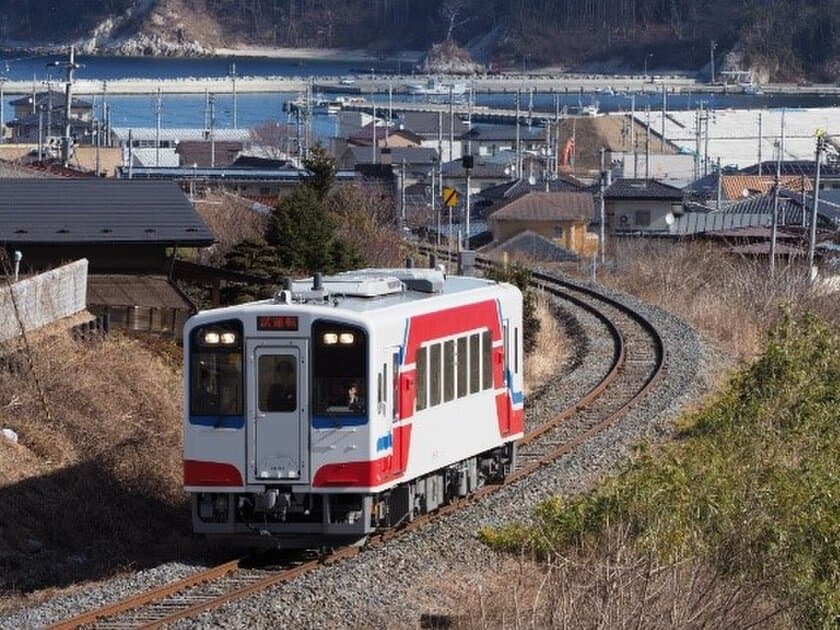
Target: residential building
x=563, y=217
x=641, y=206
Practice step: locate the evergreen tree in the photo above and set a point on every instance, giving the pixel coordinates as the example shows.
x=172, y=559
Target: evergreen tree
x=520, y=276
x=257, y=258
x=321, y=169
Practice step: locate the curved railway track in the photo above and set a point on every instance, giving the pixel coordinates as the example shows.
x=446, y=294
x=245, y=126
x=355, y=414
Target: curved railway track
x=637, y=361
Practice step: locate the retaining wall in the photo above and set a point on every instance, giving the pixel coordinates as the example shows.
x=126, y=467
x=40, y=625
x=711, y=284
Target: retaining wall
x=44, y=298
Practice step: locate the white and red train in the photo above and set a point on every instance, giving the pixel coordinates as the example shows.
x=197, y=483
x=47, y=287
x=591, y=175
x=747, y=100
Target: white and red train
x=349, y=403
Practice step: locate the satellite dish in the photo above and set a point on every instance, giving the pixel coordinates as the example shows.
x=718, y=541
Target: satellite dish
x=669, y=218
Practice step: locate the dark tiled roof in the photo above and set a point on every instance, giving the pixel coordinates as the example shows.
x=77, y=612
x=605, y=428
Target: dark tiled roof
x=792, y=167
x=100, y=211
x=43, y=98
x=426, y=124
x=547, y=206
x=364, y=137
x=509, y=190
x=488, y=133
x=533, y=246
x=790, y=207
x=411, y=155
x=480, y=169
x=642, y=189
x=132, y=290
x=199, y=152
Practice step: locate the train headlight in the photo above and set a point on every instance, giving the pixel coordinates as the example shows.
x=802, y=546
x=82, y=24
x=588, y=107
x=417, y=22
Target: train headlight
x=346, y=338
x=211, y=338
x=228, y=338
x=330, y=339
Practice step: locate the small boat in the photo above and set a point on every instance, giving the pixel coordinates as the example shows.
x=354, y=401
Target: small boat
x=752, y=88
x=434, y=87
x=589, y=110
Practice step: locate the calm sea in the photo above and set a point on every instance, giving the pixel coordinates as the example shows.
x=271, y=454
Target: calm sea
x=188, y=110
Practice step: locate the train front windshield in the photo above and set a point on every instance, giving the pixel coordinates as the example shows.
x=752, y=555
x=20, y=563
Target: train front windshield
x=216, y=370
x=339, y=371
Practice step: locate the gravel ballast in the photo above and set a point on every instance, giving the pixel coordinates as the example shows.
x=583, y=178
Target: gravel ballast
x=393, y=584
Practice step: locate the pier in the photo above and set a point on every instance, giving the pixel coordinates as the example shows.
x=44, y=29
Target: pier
x=401, y=84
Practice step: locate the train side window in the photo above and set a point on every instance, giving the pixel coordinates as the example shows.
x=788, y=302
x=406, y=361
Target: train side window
x=462, y=362
x=475, y=367
x=486, y=370
x=421, y=379
x=448, y=370
x=380, y=386
x=435, y=373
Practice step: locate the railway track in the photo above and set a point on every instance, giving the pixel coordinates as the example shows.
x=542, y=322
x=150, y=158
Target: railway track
x=637, y=361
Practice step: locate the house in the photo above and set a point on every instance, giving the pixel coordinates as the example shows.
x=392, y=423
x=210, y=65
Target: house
x=490, y=199
x=486, y=140
x=433, y=128
x=484, y=174
x=385, y=137
x=203, y=153
x=563, y=217
x=51, y=100
x=633, y=206
x=119, y=226
x=530, y=246
x=127, y=230
x=737, y=186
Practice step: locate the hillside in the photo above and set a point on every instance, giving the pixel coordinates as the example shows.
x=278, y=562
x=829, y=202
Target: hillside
x=780, y=39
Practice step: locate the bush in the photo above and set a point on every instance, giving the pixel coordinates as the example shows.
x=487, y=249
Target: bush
x=751, y=486
x=520, y=276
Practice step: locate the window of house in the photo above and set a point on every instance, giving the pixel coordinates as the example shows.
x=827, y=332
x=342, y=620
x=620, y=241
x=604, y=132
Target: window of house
x=642, y=218
x=557, y=231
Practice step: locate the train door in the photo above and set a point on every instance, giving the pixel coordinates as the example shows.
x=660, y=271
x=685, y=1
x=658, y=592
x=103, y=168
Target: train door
x=391, y=408
x=278, y=407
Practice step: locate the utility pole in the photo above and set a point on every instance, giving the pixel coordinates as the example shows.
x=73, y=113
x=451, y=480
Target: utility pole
x=812, y=240
x=235, y=104
x=647, y=143
x=664, y=113
x=719, y=201
x=2, y=109
x=130, y=154
x=402, y=191
x=712, y=58
x=774, y=229
x=390, y=111
x=98, y=127
x=451, y=127
x=696, y=144
x=206, y=111
x=435, y=213
x=467, y=161
x=212, y=131
x=633, y=136
x=40, y=133
x=373, y=131
x=602, y=241
x=760, y=140
x=706, y=143
x=518, y=141
x=157, y=128
x=69, y=66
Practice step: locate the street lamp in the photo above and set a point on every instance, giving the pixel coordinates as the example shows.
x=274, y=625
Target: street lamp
x=712, y=47
x=647, y=56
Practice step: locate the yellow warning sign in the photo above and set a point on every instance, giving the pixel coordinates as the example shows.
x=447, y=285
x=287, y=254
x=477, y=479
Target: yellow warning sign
x=450, y=196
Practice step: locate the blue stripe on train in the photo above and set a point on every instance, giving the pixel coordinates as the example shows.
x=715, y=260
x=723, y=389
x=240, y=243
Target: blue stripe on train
x=335, y=422
x=219, y=422
x=384, y=443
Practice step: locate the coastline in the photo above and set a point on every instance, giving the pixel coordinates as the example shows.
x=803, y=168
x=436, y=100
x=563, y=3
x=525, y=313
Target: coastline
x=322, y=54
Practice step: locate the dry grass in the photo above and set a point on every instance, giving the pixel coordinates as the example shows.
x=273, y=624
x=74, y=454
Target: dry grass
x=609, y=587
x=728, y=298
x=552, y=347
x=96, y=487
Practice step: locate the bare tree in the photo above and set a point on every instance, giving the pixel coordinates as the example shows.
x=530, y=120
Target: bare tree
x=451, y=11
x=274, y=138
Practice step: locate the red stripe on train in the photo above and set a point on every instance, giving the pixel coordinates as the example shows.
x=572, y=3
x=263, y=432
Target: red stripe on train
x=198, y=473
x=369, y=473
